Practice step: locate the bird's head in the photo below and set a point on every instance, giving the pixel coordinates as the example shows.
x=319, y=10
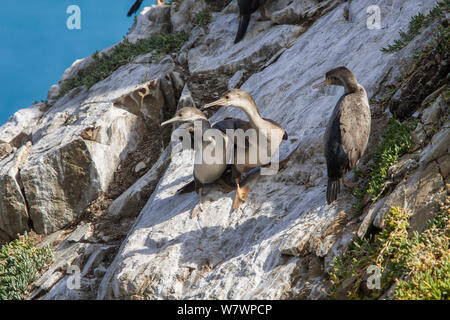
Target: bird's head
x=236, y=98
x=340, y=76
x=187, y=114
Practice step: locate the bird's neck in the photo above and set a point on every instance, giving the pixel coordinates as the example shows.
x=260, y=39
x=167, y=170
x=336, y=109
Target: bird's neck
x=250, y=109
x=351, y=85
x=200, y=126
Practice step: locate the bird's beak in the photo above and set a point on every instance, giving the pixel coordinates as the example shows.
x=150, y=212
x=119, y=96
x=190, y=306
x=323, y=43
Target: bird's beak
x=322, y=84
x=174, y=119
x=221, y=102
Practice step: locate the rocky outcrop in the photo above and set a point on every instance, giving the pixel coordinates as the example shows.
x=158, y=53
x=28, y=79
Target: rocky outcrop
x=150, y=21
x=143, y=243
x=18, y=129
x=260, y=251
x=302, y=12
x=5, y=150
x=214, y=52
x=131, y=202
x=182, y=14
x=421, y=176
x=80, y=140
x=14, y=217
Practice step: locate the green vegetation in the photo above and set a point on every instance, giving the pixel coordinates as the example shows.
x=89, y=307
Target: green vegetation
x=439, y=45
x=396, y=142
x=415, y=266
x=202, y=18
x=21, y=263
x=417, y=24
x=429, y=266
x=421, y=260
x=122, y=54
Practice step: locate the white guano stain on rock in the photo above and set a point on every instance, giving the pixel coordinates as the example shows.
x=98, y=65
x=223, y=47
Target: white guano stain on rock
x=224, y=255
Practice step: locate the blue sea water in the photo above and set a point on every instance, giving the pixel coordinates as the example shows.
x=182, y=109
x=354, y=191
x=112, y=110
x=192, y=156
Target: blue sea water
x=37, y=46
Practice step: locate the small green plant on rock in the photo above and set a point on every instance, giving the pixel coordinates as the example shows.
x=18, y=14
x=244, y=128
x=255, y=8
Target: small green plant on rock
x=429, y=267
x=387, y=251
x=21, y=263
x=396, y=141
x=417, y=24
x=418, y=265
x=202, y=18
x=122, y=54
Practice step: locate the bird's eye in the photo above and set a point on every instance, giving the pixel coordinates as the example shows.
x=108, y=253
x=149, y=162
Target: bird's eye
x=227, y=97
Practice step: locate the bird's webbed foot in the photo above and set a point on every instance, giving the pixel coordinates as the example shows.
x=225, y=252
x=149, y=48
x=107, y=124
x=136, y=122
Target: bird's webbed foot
x=199, y=206
x=349, y=185
x=241, y=196
x=195, y=212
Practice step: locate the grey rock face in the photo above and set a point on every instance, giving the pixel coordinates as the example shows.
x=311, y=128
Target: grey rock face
x=282, y=240
x=132, y=201
x=150, y=21
x=14, y=211
x=79, y=142
x=254, y=252
x=20, y=126
x=183, y=13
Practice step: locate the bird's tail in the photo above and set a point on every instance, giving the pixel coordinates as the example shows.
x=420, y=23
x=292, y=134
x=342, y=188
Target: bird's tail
x=333, y=189
x=190, y=187
x=134, y=8
x=243, y=25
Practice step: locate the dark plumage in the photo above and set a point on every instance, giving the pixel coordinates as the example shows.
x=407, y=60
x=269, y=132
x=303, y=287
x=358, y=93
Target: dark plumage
x=229, y=175
x=263, y=152
x=246, y=8
x=348, y=129
x=134, y=8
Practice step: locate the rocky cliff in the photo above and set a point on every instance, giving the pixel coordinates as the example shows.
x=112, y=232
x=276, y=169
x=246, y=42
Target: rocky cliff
x=91, y=172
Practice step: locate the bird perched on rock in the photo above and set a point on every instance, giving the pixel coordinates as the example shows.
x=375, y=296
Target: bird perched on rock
x=254, y=153
x=207, y=171
x=135, y=7
x=246, y=8
x=348, y=129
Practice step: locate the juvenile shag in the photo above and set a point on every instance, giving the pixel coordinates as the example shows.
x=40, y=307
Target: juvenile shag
x=348, y=129
x=246, y=8
x=135, y=7
x=269, y=130
x=206, y=172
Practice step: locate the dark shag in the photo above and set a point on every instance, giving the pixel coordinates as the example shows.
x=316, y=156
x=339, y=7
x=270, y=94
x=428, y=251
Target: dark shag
x=348, y=129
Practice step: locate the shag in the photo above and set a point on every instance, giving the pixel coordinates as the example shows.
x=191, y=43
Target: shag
x=204, y=171
x=246, y=8
x=135, y=7
x=272, y=133
x=348, y=129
